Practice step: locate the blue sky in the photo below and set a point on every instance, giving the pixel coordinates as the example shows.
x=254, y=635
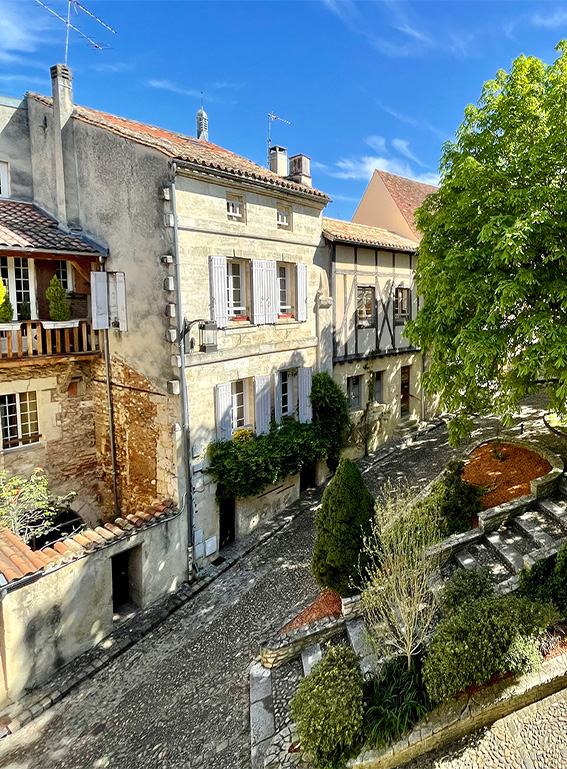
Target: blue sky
x=365, y=84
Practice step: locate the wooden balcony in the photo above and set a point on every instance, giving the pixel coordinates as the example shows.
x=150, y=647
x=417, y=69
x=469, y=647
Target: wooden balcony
x=31, y=341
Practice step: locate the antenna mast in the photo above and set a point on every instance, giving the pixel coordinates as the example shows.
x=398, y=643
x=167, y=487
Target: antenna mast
x=271, y=117
x=76, y=7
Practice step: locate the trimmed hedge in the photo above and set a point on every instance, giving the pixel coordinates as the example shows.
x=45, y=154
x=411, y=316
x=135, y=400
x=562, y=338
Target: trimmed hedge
x=546, y=580
x=455, y=501
x=464, y=587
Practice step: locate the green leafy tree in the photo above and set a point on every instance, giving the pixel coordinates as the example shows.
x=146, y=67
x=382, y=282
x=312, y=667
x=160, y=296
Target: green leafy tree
x=330, y=415
x=55, y=294
x=6, y=310
x=343, y=521
x=492, y=259
x=26, y=506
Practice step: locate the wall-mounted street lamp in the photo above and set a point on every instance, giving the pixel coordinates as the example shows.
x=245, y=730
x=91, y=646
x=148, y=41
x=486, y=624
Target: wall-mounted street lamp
x=207, y=334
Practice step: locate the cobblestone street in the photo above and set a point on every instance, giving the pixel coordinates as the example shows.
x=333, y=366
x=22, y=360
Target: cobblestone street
x=180, y=697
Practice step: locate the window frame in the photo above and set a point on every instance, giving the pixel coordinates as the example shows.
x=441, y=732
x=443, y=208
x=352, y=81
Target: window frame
x=230, y=303
x=366, y=320
x=235, y=201
x=401, y=316
x=286, y=380
x=19, y=440
x=4, y=179
x=281, y=210
x=67, y=280
x=378, y=378
x=8, y=267
x=352, y=387
x=284, y=310
x=234, y=419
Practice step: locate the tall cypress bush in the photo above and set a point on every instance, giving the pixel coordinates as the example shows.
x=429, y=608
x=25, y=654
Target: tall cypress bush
x=58, y=307
x=343, y=520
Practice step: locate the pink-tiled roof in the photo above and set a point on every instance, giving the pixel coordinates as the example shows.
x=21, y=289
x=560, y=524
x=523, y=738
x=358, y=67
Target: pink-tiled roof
x=25, y=227
x=408, y=195
x=183, y=147
x=362, y=234
x=18, y=560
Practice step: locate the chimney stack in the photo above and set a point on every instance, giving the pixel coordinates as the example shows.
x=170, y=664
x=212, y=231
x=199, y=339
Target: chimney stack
x=202, y=125
x=300, y=170
x=278, y=160
x=62, y=90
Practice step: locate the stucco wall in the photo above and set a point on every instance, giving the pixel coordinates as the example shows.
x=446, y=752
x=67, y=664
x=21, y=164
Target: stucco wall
x=15, y=147
x=377, y=209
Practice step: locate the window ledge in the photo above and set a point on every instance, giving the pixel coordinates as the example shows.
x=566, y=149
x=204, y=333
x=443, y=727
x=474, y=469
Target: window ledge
x=14, y=449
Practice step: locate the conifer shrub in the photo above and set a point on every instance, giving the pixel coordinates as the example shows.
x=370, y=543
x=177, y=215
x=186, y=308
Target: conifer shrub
x=546, y=580
x=464, y=587
x=454, y=500
x=59, y=309
x=492, y=635
x=6, y=309
x=328, y=707
x=343, y=521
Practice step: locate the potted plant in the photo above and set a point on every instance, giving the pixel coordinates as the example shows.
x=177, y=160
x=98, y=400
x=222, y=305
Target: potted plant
x=7, y=322
x=59, y=310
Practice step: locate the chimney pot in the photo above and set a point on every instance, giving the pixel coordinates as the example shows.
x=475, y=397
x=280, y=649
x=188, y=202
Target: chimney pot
x=300, y=170
x=278, y=160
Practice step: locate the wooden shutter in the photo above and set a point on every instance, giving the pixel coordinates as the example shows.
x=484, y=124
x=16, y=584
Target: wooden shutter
x=301, y=293
x=99, y=298
x=219, y=290
x=278, y=396
x=258, y=292
x=263, y=404
x=271, y=289
x=224, y=411
x=304, y=378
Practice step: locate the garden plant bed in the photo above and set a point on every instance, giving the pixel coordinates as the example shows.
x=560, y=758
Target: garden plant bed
x=506, y=478
x=327, y=604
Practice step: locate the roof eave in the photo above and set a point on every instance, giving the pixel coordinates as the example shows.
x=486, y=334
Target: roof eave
x=365, y=244
x=38, y=252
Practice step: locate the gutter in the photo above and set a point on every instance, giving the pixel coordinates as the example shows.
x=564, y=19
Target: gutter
x=186, y=438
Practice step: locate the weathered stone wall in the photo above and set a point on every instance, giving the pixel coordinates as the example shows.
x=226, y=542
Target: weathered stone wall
x=66, y=449
x=144, y=424
x=15, y=146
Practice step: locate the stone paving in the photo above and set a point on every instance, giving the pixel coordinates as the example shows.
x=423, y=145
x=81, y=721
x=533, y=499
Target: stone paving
x=179, y=697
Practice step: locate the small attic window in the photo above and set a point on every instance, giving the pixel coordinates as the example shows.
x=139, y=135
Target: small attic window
x=235, y=208
x=4, y=185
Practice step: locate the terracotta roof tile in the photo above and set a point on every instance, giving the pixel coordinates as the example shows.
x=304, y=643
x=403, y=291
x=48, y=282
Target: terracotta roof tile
x=103, y=533
x=61, y=548
x=408, y=195
x=116, y=530
x=92, y=536
x=349, y=232
x=183, y=147
x=25, y=227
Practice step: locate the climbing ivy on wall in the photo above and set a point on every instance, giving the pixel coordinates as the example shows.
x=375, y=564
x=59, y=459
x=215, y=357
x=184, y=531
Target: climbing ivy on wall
x=246, y=465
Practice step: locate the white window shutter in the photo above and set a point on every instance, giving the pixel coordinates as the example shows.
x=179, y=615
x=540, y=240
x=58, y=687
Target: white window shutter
x=99, y=298
x=258, y=292
x=224, y=411
x=301, y=271
x=278, y=396
x=263, y=404
x=305, y=410
x=272, y=297
x=219, y=291
x=121, y=299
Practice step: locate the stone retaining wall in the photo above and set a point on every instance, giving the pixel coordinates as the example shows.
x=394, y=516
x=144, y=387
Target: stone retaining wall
x=284, y=646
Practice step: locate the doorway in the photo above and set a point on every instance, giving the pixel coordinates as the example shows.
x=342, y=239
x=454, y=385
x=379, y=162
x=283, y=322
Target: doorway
x=127, y=579
x=227, y=521
x=405, y=390
x=307, y=478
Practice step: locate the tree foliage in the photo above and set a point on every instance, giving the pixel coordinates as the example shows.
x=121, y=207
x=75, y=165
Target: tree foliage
x=492, y=261
x=59, y=309
x=6, y=310
x=343, y=520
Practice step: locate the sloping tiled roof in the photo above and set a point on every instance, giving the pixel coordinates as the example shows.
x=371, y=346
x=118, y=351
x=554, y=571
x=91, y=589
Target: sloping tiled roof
x=183, y=147
x=18, y=560
x=408, y=196
x=348, y=232
x=23, y=226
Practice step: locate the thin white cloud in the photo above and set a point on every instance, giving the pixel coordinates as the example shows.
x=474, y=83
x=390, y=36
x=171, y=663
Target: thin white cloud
x=416, y=34
x=363, y=167
x=24, y=80
x=167, y=85
x=115, y=67
x=557, y=19
x=377, y=143
x=402, y=146
x=22, y=32
x=344, y=198
x=415, y=122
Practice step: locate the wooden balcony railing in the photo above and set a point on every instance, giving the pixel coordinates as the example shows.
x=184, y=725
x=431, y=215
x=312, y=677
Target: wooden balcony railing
x=30, y=339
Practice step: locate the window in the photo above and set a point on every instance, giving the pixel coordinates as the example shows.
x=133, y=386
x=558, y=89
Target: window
x=402, y=303
x=283, y=217
x=18, y=413
x=236, y=290
x=378, y=387
x=353, y=392
x=64, y=274
x=284, y=290
x=365, y=305
x=286, y=394
x=239, y=410
x=4, y=187
x=235, y=208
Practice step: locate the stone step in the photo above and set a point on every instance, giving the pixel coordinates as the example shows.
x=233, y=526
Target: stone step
x=478, y=555
x=512, y=557
x=362, y=645
x=530, y=523
x=465, y=559
x=556, y=507
x=563, y=486
x=309, y=657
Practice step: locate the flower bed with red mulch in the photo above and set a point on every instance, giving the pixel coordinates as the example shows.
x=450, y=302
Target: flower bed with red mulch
x=327, y=604
x=506, y=478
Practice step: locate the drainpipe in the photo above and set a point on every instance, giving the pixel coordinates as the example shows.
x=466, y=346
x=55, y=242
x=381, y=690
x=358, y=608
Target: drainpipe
x=102, y=261
x=422, y=392
x=186, y=439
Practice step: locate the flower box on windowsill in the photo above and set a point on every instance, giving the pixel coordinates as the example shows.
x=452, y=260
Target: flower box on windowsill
x=13, y=325
x=238, y=318
x=285, y=316
x=52, y=324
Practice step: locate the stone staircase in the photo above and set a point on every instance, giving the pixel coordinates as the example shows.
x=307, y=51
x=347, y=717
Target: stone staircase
x=406, y=428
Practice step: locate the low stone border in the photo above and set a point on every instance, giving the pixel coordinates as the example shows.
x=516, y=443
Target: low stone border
x=460, y=716
x=285, y=646
x=352, y=606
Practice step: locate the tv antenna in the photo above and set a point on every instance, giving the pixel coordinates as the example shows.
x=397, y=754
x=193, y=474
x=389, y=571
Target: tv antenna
x=271, y=118
x=77, y=7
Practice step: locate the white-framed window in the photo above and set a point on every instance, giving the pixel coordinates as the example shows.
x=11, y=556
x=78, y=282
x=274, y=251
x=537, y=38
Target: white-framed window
x=235, y=208
x=64, y=272
x=286, y=394
x=379, y=387
x=365, y=306
x=283, y=217
x=239, y=408
x=236, y=289
x=284, y=289
x=18, y=415
x=4, y=180
x=402, y=303
x=353, y=392
x=18, y=275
